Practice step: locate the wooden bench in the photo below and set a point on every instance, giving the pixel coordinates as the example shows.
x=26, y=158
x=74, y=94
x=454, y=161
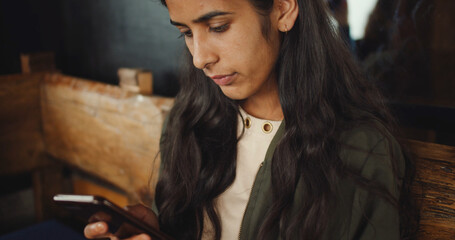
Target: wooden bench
x=434, y=189
x=105, y=131
x=51, y=122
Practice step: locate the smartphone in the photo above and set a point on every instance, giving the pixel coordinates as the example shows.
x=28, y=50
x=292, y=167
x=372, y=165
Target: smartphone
x=89, y=207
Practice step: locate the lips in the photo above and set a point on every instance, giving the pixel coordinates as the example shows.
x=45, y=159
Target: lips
x=223, y=80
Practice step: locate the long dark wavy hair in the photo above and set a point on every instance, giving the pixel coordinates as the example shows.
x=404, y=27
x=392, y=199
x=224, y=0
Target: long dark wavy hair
x=321, y=91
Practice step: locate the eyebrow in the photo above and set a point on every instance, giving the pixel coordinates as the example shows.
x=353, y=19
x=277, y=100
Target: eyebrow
x=203, y=18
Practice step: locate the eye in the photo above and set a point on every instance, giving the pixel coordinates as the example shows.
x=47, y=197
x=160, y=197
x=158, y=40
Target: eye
x=220, y=29
x=187, y=33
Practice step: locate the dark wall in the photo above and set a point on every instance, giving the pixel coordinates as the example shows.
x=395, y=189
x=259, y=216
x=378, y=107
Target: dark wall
x=27, y=26
x=92, y=39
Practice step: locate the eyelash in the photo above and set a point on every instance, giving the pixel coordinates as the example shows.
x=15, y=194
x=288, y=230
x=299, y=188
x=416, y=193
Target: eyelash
x=186, y=34
x=218, y=29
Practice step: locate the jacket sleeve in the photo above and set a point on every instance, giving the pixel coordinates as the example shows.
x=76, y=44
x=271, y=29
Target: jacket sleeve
x=372, y=216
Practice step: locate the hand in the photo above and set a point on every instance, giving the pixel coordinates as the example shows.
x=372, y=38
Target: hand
x=98, y=228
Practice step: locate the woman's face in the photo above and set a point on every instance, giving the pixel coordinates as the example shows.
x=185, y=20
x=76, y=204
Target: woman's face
x=226, y=41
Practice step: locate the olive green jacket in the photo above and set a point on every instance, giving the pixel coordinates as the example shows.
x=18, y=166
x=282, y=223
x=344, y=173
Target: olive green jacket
x=358, y=214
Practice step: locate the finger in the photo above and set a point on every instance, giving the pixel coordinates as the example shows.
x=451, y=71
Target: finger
x=96, y=230
x=144, y=214
x=127, y=230
x=142, y=236
x=100, y=217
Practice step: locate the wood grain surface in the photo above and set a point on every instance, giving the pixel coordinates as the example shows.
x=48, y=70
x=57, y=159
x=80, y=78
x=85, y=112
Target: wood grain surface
x=104, y=131
x=21, y=144
x=434, y=189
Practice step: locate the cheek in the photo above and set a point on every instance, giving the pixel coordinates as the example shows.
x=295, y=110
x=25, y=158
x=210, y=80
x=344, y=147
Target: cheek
x=247, y=52
x=241, y=43
x=261, y=58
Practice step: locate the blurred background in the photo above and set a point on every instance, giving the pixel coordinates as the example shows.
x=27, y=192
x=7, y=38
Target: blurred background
x=80, y=79
x=92, y=39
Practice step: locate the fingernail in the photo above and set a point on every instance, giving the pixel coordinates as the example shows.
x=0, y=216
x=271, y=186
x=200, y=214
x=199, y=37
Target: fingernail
x=99, y=227
x=144, y=237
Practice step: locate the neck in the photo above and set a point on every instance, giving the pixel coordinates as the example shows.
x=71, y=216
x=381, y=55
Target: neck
x=264, y=105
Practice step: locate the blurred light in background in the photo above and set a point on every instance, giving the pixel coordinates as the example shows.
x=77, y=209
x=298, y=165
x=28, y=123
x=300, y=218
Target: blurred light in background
x=359, y=12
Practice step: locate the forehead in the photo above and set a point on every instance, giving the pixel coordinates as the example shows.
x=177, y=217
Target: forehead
x=184, y=10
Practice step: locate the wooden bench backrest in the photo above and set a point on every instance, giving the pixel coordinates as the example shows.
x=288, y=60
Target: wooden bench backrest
x=49, y=121
x=104, y=131
x=434, y=189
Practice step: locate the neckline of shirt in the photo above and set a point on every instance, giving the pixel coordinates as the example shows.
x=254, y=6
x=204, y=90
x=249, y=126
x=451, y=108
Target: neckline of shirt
x=257, y=124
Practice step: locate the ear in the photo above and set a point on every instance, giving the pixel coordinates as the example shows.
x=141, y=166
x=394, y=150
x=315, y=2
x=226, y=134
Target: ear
x=288, y=10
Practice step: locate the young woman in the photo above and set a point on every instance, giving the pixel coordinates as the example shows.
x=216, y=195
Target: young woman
x=274, y=134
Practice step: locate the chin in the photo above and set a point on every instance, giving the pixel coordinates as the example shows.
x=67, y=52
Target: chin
x=232, y=94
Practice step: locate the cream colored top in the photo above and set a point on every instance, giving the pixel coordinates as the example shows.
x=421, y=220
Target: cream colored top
x=251, y=150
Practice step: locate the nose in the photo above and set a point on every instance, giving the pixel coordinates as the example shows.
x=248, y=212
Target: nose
x=203, y=53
